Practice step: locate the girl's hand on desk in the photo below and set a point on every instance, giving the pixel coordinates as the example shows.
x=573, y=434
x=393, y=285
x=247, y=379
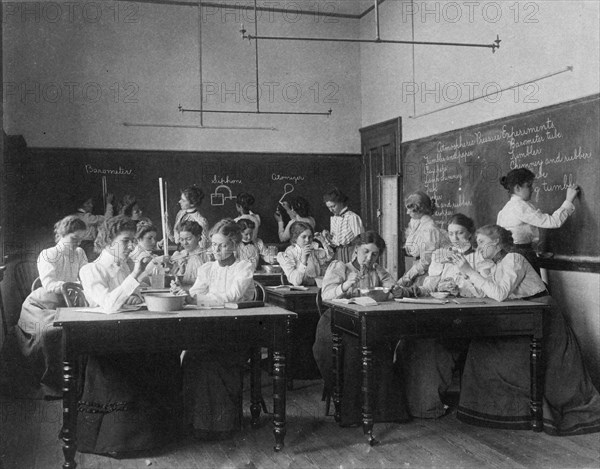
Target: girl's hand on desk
x=177, y=289
x=133, y=300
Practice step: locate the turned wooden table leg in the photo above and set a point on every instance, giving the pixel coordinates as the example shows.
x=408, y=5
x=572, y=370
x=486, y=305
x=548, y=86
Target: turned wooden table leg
x=338, y=378
x=69, y=429
x=537, y=385
x=367, y=407
x=279, y=382
x=256, y=400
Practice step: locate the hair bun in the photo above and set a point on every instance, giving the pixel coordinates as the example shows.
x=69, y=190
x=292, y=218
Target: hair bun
x=503, y=182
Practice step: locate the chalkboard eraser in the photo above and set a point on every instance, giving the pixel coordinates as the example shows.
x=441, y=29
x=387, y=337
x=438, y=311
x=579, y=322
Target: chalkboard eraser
x=545, y=255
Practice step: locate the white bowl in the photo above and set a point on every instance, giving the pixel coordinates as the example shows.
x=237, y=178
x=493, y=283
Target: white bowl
x=272, y=268
x=379, y=294
x=164, y=301
x=440, y=294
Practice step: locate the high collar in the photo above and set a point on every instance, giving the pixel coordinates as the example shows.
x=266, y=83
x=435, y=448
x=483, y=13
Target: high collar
x=227, y=262
x=342, y=213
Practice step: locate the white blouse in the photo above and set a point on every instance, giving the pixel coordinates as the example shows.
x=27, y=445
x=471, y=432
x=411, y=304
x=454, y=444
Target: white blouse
x=217, y=284
x=523, y=219
x=60, y=264
x=511, y=278
x=440, y=270
x=297, y=272
x=107, y=283
x=338, y=272
x=423, y=236
x=345, y=227
x=255, y=217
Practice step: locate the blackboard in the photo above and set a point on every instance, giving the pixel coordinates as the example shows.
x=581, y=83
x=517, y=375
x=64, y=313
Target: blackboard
x=559, y=143
x=46, y=184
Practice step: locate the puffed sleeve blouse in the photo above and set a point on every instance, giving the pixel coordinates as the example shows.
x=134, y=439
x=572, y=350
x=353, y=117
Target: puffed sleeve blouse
x=218, y=284
x=60, y=264
x=338, y=272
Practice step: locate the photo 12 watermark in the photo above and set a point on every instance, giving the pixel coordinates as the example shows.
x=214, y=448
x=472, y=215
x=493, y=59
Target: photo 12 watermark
x=469, y=12
x=89, y=92
x=71, y=12
x=271, y=12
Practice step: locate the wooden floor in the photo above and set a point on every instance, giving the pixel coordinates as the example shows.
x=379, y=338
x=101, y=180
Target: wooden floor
x=29, y=439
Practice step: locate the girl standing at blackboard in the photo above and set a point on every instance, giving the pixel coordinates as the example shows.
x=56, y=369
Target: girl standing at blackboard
x=92, y=222
x=522, y=219
x=423, y=236
x=346, y=226
x=243, y=202
x=298, y=209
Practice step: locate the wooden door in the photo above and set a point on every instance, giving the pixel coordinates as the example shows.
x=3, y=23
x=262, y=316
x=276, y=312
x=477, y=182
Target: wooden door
x=380, y=148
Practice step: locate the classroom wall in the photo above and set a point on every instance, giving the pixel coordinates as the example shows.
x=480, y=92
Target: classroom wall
x=76, y=71
x=538, y=38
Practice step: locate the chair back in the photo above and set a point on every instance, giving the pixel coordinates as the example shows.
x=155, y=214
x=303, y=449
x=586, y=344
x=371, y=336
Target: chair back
x=25, y=274
x=73, y=294
x=284, y=280
x=259, y=291
x=319, y=300
x=37, y=283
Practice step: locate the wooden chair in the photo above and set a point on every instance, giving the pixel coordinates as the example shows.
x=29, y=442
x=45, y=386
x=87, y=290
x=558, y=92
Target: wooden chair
x=73, y=294
x=259, y=291
x=37, y=283
x=25, y=274
x=3, y=317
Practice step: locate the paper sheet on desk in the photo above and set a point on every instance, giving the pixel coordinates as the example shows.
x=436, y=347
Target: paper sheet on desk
x=425, y=301
x=122, y=309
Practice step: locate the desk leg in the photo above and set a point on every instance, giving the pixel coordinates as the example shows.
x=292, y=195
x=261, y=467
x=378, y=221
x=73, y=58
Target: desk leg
x=256, y=400
x=279, y=382
x=338, y=378
x=367, y=409
x=69, y=429
x=537, y=384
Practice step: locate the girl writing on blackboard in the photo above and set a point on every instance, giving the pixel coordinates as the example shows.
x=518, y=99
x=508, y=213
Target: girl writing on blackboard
x=345, y=225
x=38, y=339
x=212, y=379
x=298, y=209
x=243, y=202
x=423, y=236
x=523, y=219
x=495, y=387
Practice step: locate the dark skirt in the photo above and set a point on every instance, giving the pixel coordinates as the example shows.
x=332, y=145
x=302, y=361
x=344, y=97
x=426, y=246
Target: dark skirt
x=212, y=389
x=130, y=402
x=389, y=403
x=495, y=388
x=39, y=341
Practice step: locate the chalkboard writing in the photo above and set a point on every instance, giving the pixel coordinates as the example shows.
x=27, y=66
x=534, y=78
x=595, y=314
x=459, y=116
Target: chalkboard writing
x=559, y=144
x=47, y=184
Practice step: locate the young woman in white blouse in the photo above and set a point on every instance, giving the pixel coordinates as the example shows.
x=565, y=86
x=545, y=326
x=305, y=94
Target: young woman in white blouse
x=345, y=225
x=38, y=338
x=423, y=236
x=495, y=388
x=129, y=401
x=298, y=209
x=303, y=260
x=523, y=219
x=212, y=380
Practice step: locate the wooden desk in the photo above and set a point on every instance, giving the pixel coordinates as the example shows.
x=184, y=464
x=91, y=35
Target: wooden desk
x=267, y=279
x=304, y=304
x=96, y=333
x=392, y=320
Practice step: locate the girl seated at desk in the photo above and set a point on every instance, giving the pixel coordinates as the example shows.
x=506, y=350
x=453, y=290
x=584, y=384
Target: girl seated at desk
x=212, y=380
x=129, y=401
x=37, y=337
x=186, y=262
x=303, y=260
x=344, y=281
x=428, y=364
x=243, y=202
x=495, y=388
